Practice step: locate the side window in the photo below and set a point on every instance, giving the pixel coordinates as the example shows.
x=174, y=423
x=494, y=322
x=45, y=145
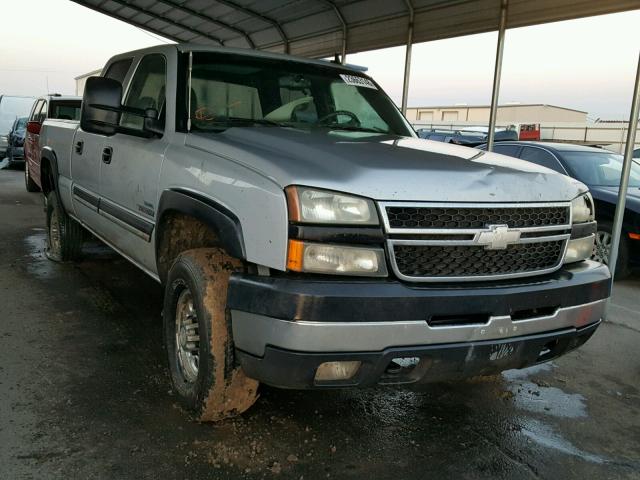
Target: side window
x=509, y=150
x=35, y=110
x=41, y=116
x=147, y=90
x=118, y=70
x=541, y=157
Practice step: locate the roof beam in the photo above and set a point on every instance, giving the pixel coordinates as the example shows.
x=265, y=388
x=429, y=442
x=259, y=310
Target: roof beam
x=344, y=28
x=264, y=18
x=208, y=18
x=166, y=20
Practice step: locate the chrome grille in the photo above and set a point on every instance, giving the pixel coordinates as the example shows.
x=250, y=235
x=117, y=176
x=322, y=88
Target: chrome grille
x=468, y=242
x=471, y=261
x=460, y=217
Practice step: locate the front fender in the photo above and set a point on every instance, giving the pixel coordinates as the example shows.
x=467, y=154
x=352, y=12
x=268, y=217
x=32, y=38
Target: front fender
x=223, y=222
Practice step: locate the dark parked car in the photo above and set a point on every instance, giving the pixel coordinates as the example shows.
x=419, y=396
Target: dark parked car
x=600, y=170
x=636, y=153
x=468, y=138
x=15, y=141
x=11, y=107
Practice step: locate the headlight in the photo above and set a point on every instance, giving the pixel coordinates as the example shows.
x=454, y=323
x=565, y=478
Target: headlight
x=584, y=226
x=310, y=205
x=336, y=259
x=582, y=209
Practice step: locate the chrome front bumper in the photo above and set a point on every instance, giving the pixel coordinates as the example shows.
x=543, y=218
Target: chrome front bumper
x=253, y=332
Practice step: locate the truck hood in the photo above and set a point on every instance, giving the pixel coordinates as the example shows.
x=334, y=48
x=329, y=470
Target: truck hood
x=384, y=167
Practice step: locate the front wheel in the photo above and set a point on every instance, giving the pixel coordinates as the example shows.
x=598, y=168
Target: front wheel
x=198, y=336
x=602, y=250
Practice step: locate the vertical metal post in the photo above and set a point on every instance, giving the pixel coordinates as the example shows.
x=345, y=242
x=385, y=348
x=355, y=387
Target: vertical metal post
x=343, y=57
x=626, y=170
x=189, y=91
x=407, y=59
x=497, y=74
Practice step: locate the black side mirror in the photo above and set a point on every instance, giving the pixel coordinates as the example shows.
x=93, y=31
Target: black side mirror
x=101, y=105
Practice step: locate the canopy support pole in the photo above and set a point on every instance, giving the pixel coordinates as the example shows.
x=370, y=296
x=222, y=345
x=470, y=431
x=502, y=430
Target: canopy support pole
x=497, y=75
x=407, y=58
x=626, y=171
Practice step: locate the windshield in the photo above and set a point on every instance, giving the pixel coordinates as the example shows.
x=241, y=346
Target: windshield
x=600, y=169
x=243, y=91
x=12, y=108
x=21, y=124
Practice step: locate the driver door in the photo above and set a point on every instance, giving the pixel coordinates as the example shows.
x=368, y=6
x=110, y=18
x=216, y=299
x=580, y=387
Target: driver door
x=131, y=165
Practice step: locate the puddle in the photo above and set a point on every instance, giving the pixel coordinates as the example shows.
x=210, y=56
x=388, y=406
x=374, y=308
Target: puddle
x=512, y=375
x=538, y=397
x=544, y=435
x=39, y=266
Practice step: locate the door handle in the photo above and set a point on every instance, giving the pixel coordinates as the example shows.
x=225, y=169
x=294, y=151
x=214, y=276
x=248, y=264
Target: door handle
x=106, y=155
x=79, y=147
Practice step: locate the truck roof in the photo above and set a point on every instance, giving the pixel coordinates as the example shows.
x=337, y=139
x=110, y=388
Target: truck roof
x=61, y=97
x=195, y=47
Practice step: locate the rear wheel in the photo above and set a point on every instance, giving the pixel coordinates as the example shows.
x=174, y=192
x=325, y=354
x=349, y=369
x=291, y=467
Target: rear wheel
x=64, y=235
x=29, y=184
x=602, y=250
x=198, y=337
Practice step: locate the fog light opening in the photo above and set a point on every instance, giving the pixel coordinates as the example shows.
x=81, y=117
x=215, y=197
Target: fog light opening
x=401, y=365
x=548, y=349
x=328, y=371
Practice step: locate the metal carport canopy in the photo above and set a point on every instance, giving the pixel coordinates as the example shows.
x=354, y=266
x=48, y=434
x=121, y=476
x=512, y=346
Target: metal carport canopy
x=322, y=28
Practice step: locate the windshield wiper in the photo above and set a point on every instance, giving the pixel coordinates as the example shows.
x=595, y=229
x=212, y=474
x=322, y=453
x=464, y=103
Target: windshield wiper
x=352, y=128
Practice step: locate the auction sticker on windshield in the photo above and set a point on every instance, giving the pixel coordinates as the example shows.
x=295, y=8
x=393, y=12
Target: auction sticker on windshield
x=358, y=81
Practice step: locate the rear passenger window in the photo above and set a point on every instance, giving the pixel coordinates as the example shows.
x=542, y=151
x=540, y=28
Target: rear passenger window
x=542, y=158
x=118, y=70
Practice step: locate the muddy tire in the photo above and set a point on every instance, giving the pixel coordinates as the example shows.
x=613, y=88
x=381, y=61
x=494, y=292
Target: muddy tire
x=64, y=235
x=29, y=184
x=198, y=337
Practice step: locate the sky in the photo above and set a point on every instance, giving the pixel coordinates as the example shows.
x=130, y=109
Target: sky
x=587, y=64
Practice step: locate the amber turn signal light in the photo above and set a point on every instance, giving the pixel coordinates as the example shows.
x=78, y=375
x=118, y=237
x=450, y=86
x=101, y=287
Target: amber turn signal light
x=294, y=258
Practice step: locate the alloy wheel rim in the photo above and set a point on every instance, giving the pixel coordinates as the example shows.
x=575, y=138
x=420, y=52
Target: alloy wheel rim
x=187, y=336
x=602, y=247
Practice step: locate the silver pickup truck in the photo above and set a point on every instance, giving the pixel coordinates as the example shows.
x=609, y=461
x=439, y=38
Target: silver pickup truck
x=306, y=238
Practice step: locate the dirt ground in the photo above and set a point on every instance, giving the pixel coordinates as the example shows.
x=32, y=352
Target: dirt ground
x=84, y=393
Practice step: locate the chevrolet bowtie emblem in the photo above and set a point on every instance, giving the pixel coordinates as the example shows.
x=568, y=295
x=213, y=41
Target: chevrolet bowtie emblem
x=497, y=237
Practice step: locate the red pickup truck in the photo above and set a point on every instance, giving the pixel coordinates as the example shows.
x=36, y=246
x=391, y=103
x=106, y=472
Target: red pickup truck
x=47, y=106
